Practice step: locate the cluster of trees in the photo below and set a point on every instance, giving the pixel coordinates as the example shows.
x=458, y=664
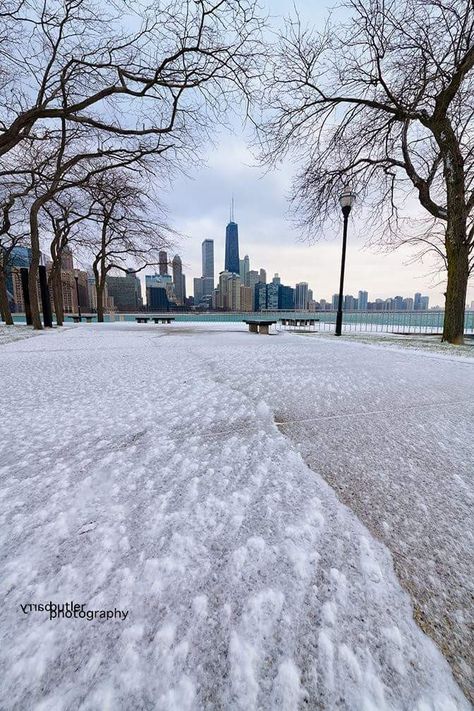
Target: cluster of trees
x=94, y=116
x=384, y=101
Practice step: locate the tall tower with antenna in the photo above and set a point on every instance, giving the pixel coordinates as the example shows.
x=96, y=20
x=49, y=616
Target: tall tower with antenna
x=232, y=262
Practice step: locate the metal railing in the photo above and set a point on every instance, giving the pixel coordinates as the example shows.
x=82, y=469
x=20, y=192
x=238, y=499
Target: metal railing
x=403, y=322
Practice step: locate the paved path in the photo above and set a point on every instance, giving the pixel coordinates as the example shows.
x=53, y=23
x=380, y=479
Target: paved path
x=152, y=479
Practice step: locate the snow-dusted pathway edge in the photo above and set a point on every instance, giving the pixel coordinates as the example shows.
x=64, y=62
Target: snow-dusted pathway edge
x=151, y=482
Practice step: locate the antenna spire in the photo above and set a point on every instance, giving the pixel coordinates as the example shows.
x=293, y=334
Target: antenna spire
x=232, y=209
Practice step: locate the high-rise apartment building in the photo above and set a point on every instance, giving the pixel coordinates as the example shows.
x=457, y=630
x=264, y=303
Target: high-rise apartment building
x=362, y=301
x=159, y=292
x=228, y=292
x=246, y=298
x=263, y=276
x=204, y=286
x=260, y=296
x=254, y=278
x=19, y=257
x=126, y=291
x=163, y=262
x=197, y=290
x=349, y=303
x=273, y=294
x=178, y=280
x=301, y=295
x=287, y=297
x=208, y=259
x=244, y=270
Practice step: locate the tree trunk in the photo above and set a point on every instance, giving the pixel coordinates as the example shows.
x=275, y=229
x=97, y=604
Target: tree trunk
x=33, y=275
x=458, y=273
x=57, y=287
x=456, y=241
x=4, y=305
x=100, y=303
x=56, y=281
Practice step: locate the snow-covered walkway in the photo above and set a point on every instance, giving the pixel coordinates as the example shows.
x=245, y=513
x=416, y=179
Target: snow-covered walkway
x=142, y=469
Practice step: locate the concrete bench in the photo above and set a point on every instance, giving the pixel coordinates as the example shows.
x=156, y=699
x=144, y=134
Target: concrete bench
x=163, y=319
x=298, y=322
x=142, y=319
x=259, y=326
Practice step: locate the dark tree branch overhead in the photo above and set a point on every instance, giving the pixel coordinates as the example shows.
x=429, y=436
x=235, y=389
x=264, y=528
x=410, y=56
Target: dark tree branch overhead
x=384, y=100
x=85, y=64
x=81, y=96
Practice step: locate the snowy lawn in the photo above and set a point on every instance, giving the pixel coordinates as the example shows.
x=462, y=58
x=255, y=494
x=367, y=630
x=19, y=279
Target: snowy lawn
x=178, y=473
x=18, y=332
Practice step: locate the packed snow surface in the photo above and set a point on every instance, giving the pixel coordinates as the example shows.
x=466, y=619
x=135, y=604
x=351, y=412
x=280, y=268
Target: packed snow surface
x=180, y=473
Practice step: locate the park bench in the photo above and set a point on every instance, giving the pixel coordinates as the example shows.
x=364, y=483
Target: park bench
x=141, y=319
x=163, y=319
x=78, y=319
x=299, y=322
x=259, y=326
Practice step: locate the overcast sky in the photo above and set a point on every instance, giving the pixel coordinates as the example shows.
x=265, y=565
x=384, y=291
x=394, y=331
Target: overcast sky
x=199, y=207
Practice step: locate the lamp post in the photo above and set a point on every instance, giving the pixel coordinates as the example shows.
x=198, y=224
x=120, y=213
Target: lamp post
x=346, y=201
x=76, y=277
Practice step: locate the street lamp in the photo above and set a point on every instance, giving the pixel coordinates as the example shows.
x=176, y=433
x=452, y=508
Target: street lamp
x=346, y=201
x=76, y=277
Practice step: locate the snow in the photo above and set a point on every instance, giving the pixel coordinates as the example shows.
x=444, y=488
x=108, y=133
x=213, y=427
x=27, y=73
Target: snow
x=18, y=332
x=142, y=469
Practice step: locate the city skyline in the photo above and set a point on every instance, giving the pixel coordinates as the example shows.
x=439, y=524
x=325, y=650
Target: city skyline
x=268, y=235
x=201, y=285
x=318, y=264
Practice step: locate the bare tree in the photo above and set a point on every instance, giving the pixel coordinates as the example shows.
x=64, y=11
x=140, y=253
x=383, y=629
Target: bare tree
x=13, y=232
x=67, y=161
x=75, y=61
x=71, y=69
x=128, y=240
x=384, y=101
x=68, y=214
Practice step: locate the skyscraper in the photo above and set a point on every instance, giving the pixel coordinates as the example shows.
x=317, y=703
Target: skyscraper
x=263, y=276
x=362, y=301
x=254, y=278
x=273, y=295
x=349, y=303
x=163, y=262
x=208, y=259
x=204, y=286
x=232, y=261
x=301, y=295
x=178, y=279
x=244, y=270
